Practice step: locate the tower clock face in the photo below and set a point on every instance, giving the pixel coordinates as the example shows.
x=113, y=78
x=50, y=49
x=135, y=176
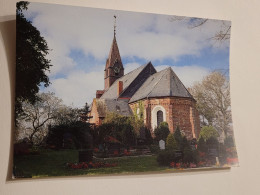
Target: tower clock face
x=116, y=69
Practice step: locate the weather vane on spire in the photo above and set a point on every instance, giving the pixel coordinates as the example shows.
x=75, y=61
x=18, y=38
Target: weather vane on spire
x=115, y=26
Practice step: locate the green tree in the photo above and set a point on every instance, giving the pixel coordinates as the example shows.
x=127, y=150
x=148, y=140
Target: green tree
x=208, y=132
x=162, y=131
x=128, y=135
x=187, y=155
x=213, y=101
x=31, y=62
x=137, y=120
x=119, y=127
x=77, y=132
x=202, y=145
x=178, y=137
x=83, y=113
x=171, y=143
x=229, y=142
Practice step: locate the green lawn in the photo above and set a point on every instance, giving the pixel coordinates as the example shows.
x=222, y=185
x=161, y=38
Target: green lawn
x=53, y=163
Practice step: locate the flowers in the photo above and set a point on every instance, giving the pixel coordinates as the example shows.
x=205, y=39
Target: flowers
x=127, y=153
x=115, y=152
x=202, y=154
x=85, y=165
x=202, y=164
x=175, y=165
x=192, y=165
x=232, y=160
x=182, y=165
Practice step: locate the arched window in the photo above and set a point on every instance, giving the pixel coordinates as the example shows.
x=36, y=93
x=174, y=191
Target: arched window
x=159, y=117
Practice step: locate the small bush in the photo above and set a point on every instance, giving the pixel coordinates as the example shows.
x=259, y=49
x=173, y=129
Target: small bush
x=187, y=155
x=229, y=142
x=178, y=137
x=155, y=149
x=171, y=142
x=202, y=147
x=165, y=157
x=208, y=132
x=162, y=131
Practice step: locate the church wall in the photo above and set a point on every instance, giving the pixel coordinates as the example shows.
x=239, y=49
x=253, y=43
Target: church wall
x=179, y=112
x=94, y=113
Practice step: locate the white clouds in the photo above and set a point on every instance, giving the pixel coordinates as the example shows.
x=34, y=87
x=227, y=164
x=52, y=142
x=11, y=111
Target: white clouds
x=59, y=56
x=147, y=36
x=90, y=31
x=78, y=88
x=130, y=66
x=187, y=74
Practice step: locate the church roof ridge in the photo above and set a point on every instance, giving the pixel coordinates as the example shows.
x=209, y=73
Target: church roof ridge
x=127, y=79
x=181, y=82
x=161, y=84
x=142, y=68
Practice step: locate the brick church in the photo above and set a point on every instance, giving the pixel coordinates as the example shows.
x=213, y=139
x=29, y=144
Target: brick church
x=154, y=96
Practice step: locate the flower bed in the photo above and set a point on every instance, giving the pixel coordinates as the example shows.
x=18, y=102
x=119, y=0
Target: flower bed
x=89, y=165
x=182, y=165
x=232, y=161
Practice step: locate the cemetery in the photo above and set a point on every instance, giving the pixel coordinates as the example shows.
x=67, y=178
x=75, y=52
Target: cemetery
x=165, y=152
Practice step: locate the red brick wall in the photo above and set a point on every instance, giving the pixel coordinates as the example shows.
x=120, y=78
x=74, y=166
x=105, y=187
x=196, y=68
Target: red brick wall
x=119, y=87
x=99, y=93
x=179, y=112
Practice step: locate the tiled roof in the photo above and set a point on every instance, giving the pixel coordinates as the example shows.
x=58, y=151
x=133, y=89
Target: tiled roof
x=128, y=81
x=113, y=55
x=161, y=84
x=109, y=105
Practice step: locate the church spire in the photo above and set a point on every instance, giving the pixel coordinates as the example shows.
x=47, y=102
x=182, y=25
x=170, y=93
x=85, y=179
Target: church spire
x=115, y=26
x=114, y=67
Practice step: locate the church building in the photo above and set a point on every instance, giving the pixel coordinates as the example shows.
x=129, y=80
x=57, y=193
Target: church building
x=154, y=96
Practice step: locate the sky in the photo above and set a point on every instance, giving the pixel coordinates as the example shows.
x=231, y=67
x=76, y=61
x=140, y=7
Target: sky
x=80, y=38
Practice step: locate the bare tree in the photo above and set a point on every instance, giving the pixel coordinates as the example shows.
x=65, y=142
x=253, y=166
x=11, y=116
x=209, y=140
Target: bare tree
x=222, y=34
x=213, y=101
x=36, y=117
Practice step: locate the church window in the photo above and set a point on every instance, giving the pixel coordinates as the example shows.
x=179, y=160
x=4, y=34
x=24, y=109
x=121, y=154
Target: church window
x=159, y=117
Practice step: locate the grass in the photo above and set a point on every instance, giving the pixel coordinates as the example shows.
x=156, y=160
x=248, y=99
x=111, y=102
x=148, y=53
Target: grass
x=53, y=163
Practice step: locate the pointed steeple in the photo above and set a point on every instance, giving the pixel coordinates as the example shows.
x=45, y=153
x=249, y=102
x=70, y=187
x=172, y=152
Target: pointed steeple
x=114, y=67
x=113, y=55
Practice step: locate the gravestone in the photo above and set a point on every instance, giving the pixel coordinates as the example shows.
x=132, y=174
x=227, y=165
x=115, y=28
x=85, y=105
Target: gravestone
x=162, y=144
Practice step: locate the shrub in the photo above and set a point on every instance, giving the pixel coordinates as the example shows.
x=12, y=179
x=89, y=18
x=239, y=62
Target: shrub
x=202, y=147
x=70, y=135
x=229, y=142
x=162, y=131
x=184, y=143
x=187, y=155
x=155, y=148
x=165, y=157
x=171, y=142
x=208, y=132
x=128, y=135
x=178, y=137
x=148, y=136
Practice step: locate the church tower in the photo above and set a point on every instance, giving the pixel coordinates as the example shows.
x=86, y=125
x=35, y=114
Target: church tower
x=114, y=67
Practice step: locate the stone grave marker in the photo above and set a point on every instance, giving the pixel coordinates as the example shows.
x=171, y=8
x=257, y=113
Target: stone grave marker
x=162, y=144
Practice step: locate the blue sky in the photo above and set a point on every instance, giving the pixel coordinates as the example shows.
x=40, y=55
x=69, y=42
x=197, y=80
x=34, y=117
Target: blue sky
x=80, y=40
